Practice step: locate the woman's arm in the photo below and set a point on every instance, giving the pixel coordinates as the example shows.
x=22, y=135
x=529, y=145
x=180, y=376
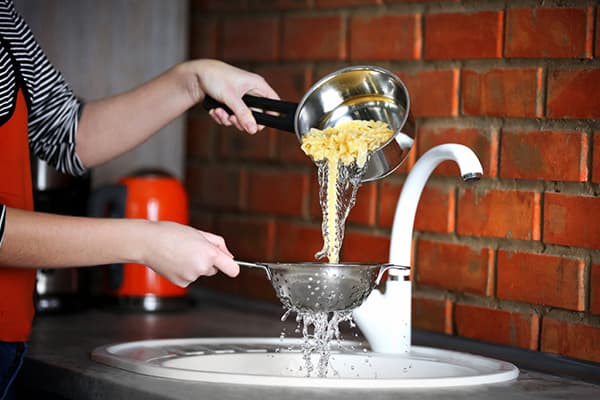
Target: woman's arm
x=179, y=253
x=115, y=125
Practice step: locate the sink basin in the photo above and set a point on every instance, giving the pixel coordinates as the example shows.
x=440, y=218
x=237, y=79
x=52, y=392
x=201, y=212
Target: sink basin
x=279, y=362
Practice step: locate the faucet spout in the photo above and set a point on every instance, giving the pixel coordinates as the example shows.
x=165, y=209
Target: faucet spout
x=385, y=319
x=406, y=208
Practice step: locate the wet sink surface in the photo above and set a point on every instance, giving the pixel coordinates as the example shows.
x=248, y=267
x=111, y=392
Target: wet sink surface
x=279, y=362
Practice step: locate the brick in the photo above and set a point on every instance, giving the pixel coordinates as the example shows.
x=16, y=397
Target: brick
x=595, y=289
x=559, y=281
x=239, y=145
x=421, y=1
x=250, y=39
x=435, y=212
x=344, y=3
x=220, y=187
x=545, y=33
x=433, y=93
x=203, y=38
x=277, y=192
x=279, y=4
x=453, y=266
x=597, y=51
x=193, y=182
x=389, y=192
x=289, y=151
x=289, y=81
x=436, y=209
x=463, y=35
x=511, y=328
x=251, y=283
x=569, y=93
x=255, y=284
x=313, y=38
x=365, y=207
x=218, y=5
x=247, y=238
x=483, y=143
x=363, y=211
x=567, y=220
x=203, y=221
x=364, y=247
x=596, y=157
x=570, y=339
x=322, y=70
x=199, y=139
x=399, y=30
x=297, y=242
x=432, y=314
x=500, y=92
x=499, y=213
x=544, y=155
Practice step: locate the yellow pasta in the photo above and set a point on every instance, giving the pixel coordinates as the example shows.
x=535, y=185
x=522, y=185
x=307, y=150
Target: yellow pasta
x=347, y=142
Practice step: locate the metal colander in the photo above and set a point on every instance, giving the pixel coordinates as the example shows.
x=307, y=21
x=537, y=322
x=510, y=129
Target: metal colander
x=322, y=287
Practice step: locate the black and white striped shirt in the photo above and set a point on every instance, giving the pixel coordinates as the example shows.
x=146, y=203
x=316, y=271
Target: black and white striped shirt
x=53, y=109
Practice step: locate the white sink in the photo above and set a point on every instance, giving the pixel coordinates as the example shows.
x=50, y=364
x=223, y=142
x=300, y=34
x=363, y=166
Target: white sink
x=278, y=362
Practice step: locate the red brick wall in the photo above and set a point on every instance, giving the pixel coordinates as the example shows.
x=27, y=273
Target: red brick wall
x=513, y=259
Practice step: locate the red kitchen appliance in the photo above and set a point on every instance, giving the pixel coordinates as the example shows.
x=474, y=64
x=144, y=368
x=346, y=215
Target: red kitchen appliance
x=149, y=194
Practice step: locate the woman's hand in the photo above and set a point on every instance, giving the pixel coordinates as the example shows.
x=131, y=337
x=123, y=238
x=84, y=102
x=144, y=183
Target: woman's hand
x=227, y=84
x=182, y=254
x=178, y=252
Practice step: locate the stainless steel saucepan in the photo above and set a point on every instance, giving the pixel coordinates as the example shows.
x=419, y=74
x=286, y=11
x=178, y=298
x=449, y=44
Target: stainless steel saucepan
x=354, y=93
x=322, y=287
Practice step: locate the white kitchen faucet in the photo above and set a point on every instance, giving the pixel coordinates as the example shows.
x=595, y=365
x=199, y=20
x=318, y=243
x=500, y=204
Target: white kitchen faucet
x=385, y=319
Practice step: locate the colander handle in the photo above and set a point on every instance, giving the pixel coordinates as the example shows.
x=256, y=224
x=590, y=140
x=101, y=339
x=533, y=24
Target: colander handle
x=386, y=267
x=256, y=265
x=286, y=109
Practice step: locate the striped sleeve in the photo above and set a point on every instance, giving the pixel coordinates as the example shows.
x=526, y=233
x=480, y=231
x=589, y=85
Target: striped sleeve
x=2, y=222
x=54, y=110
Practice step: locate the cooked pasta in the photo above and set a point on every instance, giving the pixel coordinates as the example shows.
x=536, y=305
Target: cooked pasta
x=346, y=143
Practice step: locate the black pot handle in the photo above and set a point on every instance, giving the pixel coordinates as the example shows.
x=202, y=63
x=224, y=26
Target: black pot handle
x=286, y=109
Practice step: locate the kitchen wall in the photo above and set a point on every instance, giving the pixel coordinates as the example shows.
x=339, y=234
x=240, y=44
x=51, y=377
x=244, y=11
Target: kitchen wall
x=107, y=47
x=513, y=259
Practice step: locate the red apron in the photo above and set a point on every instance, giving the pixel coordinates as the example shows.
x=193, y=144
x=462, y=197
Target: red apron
x=16, y=284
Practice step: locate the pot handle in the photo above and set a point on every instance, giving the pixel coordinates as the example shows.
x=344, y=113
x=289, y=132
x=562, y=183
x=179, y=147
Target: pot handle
x=256, y=265
x=286, y=109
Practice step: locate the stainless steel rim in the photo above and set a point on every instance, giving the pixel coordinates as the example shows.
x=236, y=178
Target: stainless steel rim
x=326, y=78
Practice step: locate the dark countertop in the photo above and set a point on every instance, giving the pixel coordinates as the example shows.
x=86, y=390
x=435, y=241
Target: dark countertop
x=58, y=365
